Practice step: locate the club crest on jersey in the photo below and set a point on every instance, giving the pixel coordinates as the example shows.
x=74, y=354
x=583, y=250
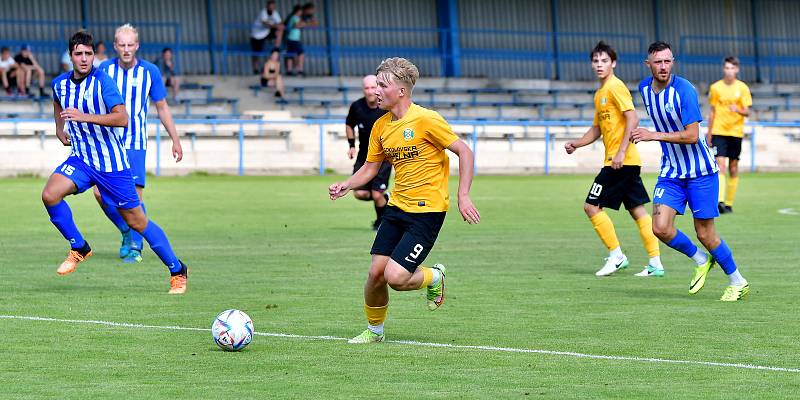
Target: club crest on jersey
x=669, y=108
x=603, y=101
x=408, y=134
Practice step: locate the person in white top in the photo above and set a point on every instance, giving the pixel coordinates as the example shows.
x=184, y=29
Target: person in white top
x=267, y=26
x=8, y=68
x=99, y=54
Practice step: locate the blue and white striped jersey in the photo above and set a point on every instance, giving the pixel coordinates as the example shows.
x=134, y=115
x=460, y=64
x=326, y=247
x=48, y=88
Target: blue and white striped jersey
x=137, y=85
x=671, y=110
x=98, y=146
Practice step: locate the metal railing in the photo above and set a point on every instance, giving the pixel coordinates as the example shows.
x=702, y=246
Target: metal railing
x=548, y=139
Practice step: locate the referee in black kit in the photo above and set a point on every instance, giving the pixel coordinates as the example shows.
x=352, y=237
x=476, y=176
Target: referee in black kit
x=363, y=114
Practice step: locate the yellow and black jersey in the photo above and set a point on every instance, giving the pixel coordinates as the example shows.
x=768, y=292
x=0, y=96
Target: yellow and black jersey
x=415, y=146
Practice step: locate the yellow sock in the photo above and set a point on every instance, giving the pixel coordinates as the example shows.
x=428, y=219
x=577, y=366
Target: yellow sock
x=375, y=315
x=605, y=229
x=733, y=183
x=722, y=186
x=648, y=238
x=427, y=277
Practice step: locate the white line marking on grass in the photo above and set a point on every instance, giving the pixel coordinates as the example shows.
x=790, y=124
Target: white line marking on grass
x=788, y=211
x=424, y=344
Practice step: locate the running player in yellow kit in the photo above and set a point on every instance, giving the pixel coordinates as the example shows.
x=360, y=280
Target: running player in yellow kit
x=413, y=139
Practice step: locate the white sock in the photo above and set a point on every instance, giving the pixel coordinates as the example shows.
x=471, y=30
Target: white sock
x=700, y=257
x=377, y=329
x=437, y=276
x=615, y=254
x=736, y=278
x=656, y=262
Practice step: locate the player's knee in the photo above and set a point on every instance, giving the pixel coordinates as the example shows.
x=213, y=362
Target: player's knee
x=663, y=231
x=396, y=280
x=706, y=236
x=50, y=198
x=135, y=219
x=590, y=209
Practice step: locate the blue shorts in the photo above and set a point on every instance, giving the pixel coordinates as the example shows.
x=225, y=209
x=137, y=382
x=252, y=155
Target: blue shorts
x=137, y=160
x=116, y=188
x=701, y=193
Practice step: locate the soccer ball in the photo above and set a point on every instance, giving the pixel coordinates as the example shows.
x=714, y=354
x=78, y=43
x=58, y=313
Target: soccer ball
x=232, y=330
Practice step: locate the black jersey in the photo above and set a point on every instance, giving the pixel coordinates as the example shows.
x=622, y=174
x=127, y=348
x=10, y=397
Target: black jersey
x=363, y=117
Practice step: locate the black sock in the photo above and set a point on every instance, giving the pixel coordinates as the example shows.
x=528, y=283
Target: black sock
x=182, y=270
x=84, y=250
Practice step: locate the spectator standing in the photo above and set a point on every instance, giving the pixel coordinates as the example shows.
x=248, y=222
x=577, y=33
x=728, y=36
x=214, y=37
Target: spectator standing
x=267, y=26
x=301, y=17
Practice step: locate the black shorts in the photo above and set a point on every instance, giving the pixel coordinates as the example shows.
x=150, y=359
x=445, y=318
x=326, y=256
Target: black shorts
x=407, y=237
x=380, y=182
x=257, y=45
x=613, y=187
x=726, y=146
x=294, y=48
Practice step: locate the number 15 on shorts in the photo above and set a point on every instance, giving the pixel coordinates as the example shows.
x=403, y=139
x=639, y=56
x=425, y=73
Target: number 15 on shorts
x=414, y=254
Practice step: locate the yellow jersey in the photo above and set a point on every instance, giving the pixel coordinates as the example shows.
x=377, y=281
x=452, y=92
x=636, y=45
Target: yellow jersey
x=721, y=96
x=415, y=146
x=610, y=101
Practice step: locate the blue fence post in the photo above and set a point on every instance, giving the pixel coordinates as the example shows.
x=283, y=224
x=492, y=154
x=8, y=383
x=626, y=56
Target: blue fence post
x=475, y=149
x=321, y=149
x=753, y=150
x=158, y=149
x=212, y=40
x=241, y=149
x=554, y=23
x=547, y=150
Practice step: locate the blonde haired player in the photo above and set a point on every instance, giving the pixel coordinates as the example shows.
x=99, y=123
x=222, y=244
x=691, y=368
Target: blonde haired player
x=618, y=181
x=413, y=139
x=730, y=102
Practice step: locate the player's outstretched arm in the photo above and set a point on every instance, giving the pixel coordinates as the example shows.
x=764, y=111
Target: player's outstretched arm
x=588, y=138
x=60, y=134
x=118, y=117
x=688, y=136
x=465, y=162
x=165, y=115
x=360, y=178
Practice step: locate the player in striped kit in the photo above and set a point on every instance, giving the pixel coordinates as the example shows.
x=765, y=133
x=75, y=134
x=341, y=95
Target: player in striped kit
x=139, y=82
x=688, y=171
x=88, y=108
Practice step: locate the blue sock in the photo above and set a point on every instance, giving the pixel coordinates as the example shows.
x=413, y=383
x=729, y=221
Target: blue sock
x=160, y=244
x=724, y=257
x=61, y=217
x=136, y=237
x=682, y=243
x=113, y=214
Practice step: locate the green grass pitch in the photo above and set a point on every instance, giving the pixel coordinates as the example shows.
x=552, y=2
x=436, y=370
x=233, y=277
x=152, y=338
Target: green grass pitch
x=279, y=249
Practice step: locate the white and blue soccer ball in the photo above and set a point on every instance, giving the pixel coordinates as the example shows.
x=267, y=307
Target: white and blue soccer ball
x=232, y=330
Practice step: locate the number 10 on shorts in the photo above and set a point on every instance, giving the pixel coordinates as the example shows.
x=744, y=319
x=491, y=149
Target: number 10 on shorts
x=596, y=189
x=414, y=254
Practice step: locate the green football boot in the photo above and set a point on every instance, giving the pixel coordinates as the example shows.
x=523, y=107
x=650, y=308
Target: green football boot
x=367, y=336
x=436, y=292
x=700, y=274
